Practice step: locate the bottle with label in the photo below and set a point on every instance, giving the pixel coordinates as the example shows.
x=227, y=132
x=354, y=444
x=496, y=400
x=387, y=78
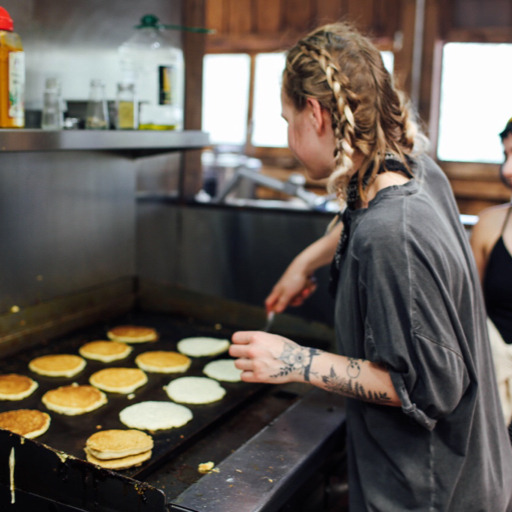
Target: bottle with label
x=12, y=75
x=149, y=60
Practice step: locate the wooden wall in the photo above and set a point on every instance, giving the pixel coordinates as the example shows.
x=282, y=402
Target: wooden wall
x=268, y=25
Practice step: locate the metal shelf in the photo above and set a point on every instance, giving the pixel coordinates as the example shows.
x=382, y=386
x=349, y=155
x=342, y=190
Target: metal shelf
x=137, y=142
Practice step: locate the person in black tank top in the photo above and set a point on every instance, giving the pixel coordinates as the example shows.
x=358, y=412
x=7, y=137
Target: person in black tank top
x=497, y=285
x=491, y=241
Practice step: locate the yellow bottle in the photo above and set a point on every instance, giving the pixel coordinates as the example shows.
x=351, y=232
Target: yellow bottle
x=12, y=75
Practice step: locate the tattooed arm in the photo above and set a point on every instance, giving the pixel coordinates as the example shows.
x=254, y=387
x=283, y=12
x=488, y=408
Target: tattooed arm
x=273, y=359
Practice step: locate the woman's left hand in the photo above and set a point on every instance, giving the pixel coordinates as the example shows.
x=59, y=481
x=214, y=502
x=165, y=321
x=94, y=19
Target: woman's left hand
x=267, y=358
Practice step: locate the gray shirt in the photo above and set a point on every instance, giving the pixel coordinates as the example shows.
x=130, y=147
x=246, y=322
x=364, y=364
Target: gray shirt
x=409, y=298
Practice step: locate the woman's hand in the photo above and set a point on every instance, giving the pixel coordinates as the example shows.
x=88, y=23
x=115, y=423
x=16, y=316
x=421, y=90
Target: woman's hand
x=292, y=289
x=298, y=283
x=268, y=358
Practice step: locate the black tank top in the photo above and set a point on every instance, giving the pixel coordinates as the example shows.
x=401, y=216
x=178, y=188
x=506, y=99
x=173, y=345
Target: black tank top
x=498, y=286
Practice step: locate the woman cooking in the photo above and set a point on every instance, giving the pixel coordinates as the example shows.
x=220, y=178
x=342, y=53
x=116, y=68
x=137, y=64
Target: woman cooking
x=424, y=429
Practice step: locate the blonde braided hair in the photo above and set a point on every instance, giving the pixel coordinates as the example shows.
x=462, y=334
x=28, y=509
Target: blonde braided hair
x=344, y=72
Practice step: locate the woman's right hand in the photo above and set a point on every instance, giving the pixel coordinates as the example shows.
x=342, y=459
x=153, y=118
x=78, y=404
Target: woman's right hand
x=298, y=282
x=292, y=289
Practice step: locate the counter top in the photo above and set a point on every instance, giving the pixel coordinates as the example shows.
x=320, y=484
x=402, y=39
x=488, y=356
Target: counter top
x=142, y=142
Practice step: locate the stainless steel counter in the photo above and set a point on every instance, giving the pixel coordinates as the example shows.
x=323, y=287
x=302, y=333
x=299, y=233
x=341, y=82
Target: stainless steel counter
x=143, y=142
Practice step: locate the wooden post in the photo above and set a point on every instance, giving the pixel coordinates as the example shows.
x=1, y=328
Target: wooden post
x=193, y=15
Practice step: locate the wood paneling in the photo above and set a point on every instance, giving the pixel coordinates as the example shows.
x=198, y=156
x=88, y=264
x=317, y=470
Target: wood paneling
x=328, y=11
x=298, y=15
x=239, y=16
x=267, y=16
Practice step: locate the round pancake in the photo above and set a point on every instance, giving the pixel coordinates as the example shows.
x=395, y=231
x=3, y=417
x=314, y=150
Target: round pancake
x=105, y=351
x=132, y=334
x=73, y=400
x=118, y=380
x=116, y=444
x=224, y=370
x=122, y=463
x=25, y=422
x=155, y=415
x=57, y=365
x=201, y=346
x=16, y=387
x=163, y=361
x=194, y=390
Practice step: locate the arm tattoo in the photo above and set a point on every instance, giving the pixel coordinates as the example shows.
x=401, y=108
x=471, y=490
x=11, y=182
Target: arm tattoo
x=296, y=359
x=351, y=387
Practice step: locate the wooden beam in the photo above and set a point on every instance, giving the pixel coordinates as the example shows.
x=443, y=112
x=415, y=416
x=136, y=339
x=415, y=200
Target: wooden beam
x=193, y=15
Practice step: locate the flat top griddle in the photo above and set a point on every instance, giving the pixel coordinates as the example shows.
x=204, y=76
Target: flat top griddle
x=69, y=433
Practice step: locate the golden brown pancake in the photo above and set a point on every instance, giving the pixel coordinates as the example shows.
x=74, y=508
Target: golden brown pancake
x=132, y=334
x=16, y=387
x=115, y=443
x=25, y=422
x=74, y=399
x=105, y=351
x=57, y=365
x=118, y=380
x=123, y=463
x=163, y=361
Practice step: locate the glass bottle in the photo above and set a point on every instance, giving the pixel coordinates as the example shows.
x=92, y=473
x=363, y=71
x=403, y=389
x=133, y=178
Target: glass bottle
x=126, y=106
x=53, y=115
x=96, y=117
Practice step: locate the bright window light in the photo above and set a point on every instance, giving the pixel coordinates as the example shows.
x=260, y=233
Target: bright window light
x=226, y=97
x=475, y=101
x=388, y=59
x=269, y=128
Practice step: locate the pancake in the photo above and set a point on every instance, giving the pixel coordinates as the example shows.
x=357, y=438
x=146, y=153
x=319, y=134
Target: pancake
x=194, y=390
x=16, y=387
x=162, y=361
x=155, y=415
x=201, y=346
x=25, y=422
x=224, y=370
x=105, y=351
x=118, y=380
x=132, y=334
x=57, y=365
x=117, y=444
x=73, y=400
x=122, y=463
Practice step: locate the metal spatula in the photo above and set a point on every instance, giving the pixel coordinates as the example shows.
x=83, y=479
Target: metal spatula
x=270, y=320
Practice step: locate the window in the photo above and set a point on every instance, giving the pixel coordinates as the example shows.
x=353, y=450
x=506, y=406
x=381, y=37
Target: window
x=476, y=101
x=269, y=128
x=226, y=97
x=226, y=86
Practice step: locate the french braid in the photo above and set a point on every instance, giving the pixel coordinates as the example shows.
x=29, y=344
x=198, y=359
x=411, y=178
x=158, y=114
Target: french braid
x=342, y=69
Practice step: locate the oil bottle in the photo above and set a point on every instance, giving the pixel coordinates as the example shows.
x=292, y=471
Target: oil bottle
x=156, y=67
x=12, y=75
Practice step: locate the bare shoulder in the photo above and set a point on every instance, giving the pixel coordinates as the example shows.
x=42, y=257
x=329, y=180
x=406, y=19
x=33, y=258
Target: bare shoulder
x=488, y=228
x=493, y=216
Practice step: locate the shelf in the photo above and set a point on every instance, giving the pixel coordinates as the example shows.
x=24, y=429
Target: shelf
x=137, y=142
